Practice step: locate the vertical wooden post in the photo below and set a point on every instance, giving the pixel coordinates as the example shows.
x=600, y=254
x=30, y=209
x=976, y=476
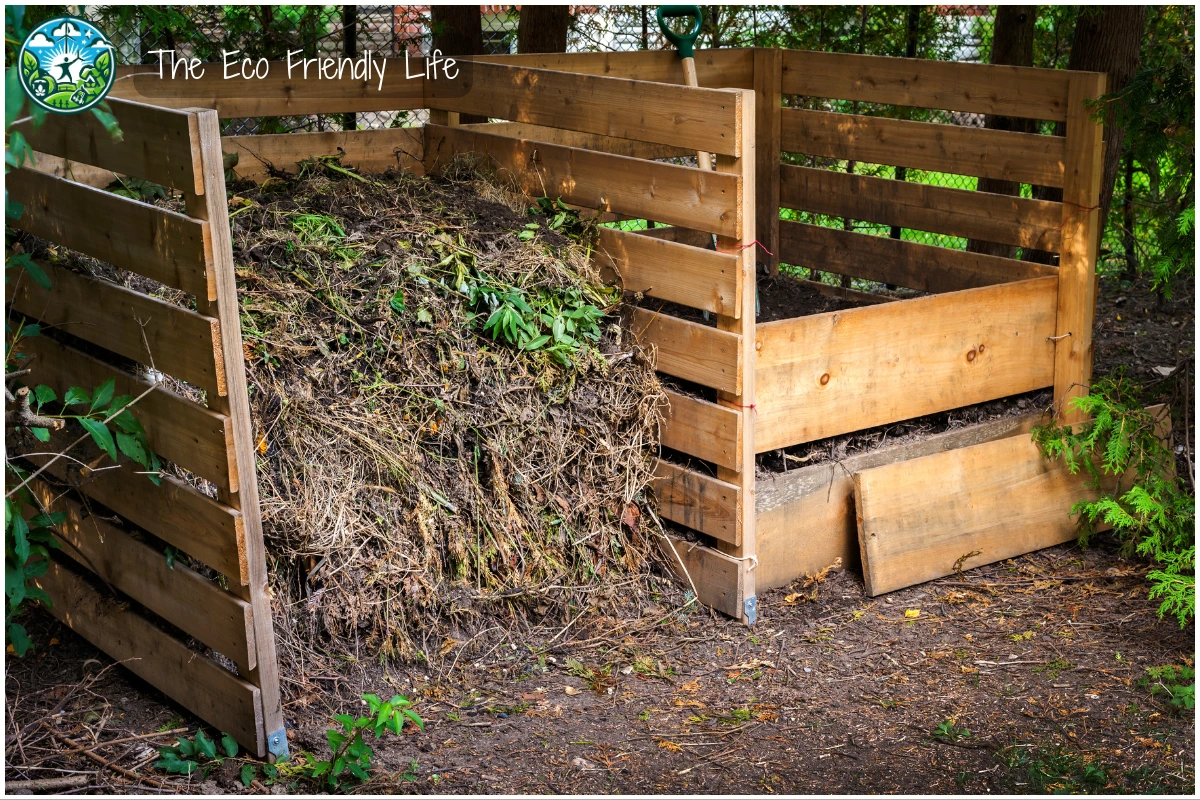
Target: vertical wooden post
x=213, y=207
x=743, y=245
x=1080, y=243
x=768, y=121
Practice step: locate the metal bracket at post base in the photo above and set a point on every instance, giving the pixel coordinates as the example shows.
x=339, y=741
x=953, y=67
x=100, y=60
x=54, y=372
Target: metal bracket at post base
x=750, y=607
x=277, y=744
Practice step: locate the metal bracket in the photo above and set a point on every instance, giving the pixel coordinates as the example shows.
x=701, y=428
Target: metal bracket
x=750, y=606
x=277, y=744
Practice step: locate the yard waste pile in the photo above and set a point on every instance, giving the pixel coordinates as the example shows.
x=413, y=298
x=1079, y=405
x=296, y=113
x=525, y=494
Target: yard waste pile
x=452, y=430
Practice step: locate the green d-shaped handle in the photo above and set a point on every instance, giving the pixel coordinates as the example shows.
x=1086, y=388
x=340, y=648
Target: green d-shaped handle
x=684, y=42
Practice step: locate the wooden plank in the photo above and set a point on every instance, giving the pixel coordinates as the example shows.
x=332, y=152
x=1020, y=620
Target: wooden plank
x=717, y=578
x=179, y=430
x=955, y=212
x=586, y=141
x=679, y=235
x=196, y=682
x=160, y=244
x=643, y=189
x=691, y=351
x=702, y=429
x=697, y=501
x=75, y=171
x=204, y=528
x=155, y=143
x=278, y=93
x=986, y=503
x=725, y=67
x=768, y=72
x=978, y=88
x=844, y=292
x=983, y=153
x=924, y=267
x=1081, y=231
x=843, y=371
x=182, y=597
x=181, y=342
x=698, y=119
x=368, y=151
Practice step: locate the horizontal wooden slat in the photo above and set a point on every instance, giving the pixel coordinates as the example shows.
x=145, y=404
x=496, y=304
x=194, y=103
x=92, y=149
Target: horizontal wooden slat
x=194, y=604
x=924, y=267
x=843, y=371
x=277, y=94
x=689, y=350
x=698, y=501
x=716, y=577
x=644, y=189
x=679, y=235
x=702, y=429
x=155, y=143
x=181, y=342
x=183, y=432
x=196, y=682
x=663, y=113
x=955, y=212
x=75, y=171
x=369, y=151
x=983, y=153
x=979, y=88
x=586, y=141
x=723, y=67
x=174, y=512
x=691, y=276
x=139, y=237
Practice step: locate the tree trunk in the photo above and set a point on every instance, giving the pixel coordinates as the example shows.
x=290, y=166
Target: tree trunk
x=457, y=31
x=1128, y=221
x=543, y=29
x=1012, y=44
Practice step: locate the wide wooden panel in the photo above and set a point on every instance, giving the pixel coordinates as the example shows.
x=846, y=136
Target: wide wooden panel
x=150, y=241
x=956, y=212
x=75, y=171
x=1022, y=157
x=369, y=151
x=691, y=351
x=181, y=342
x=663, y=113
x=724, y=67
x=716, y=577
x=196, y=682
x=702, y=429
x=586, y=141
x=194, y=604
x=664, y=192
x=697, y=277
x=843, y=371
x=155, y=143
x=679, y=235
x=980, y=88
x=924, y=267
x=183, y=432
x=698, y=501
x=986, y=503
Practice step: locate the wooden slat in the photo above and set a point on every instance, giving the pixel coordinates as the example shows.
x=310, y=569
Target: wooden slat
x=724, y=67
x=174, y=512
x=698, y=119
x=843, y=371
x=955, y=212
x=155, y=143
x=768, y=72
x=75, y=171
x=196, y=682
x=717, y=578
x=979, y=88
x=182, y=343
x=278, y=94
x=179, y=430
x=680, y=273
x=994, y=500
x=586, y=141
x=697, y=501
x=843, y=292
x=691, y=351
x=701, y=429
x=983, y=153
x=679, y=235
x=192, y=603
x=139, y=237
x=924, y=267
x=650, y=190
x=369, y=151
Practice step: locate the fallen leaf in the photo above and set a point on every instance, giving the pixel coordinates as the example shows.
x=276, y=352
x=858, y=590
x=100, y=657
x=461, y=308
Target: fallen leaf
x=262, y=445
x=793, y=597
x=665, y=745
x=572, y=691
x=629, y=517
x=691, y=686
x=912, y=613
x=583, y=763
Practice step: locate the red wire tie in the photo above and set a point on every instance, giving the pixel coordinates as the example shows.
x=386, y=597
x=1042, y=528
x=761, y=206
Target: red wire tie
x=741, y=247
x=753, y=407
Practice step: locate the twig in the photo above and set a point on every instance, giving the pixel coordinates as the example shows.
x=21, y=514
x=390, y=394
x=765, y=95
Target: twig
x=41, y=784
x=77, y=748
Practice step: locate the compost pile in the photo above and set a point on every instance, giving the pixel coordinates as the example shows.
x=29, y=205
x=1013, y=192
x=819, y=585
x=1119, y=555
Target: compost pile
x=451, y=428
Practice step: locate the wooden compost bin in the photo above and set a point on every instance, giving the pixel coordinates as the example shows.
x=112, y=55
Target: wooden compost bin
x=593, y=129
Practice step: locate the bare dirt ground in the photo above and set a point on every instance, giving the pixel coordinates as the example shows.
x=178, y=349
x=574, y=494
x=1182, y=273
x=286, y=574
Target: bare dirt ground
x=1027, y=676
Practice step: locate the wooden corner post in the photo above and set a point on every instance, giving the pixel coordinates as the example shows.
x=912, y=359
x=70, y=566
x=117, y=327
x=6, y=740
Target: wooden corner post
x=1080, y=245
x=768, y=122
x=213, y=208
x=743, y=245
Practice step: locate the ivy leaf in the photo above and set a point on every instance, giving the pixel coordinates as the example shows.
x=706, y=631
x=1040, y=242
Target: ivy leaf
x=101, y=435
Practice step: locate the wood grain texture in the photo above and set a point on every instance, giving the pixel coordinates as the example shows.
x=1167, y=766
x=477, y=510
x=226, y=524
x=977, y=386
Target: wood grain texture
x=75, y=171
x=586, y=141
x=955, y=212
x=681, y=273
x=368, y=151
x=768, y=112
x=698, y=501
x=702, y=429
x=637, y=188
x=691, y=351
x=979, y=152
x=842, y=371
x=717, y=577
x=724, y=67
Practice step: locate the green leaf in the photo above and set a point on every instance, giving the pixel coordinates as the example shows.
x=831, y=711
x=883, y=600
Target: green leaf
x=19, y=529
x=39, y=276
x=205, y=745
x=249, y=773
x=104, y=393
x=229, y=745
x=397, y=301
x=132, y=446
x=359, y=772
x=127, y=422
x=75, y=396
x=416, y=719
x=185, y=746
x=335, y=739
x=320, y=769
x=19, y=639
x=42, y=434
x=101, y=435
x=44, y=394
x=339, y=766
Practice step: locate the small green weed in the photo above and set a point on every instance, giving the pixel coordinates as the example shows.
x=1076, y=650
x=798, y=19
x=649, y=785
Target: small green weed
x=1053, y=668
x=199, y=752
x=350, y=756
x=1178, y=683
x=947, y=731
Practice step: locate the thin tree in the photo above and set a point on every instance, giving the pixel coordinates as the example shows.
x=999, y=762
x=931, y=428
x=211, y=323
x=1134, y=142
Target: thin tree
x=457, y=31
x=543, y=29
